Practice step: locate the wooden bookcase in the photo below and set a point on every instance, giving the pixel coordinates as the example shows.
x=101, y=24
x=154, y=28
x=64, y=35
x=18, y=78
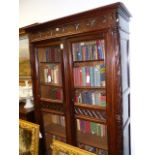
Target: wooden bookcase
x=80, y=74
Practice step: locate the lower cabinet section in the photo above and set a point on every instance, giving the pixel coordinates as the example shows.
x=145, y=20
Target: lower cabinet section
x=54, y=126
x=92, y=137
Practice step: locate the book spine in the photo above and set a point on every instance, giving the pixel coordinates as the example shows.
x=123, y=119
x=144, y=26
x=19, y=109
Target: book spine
x=45, y=74
x=78, y=125
x=93, y=98
x=87, y=70
x=87, y=127
x=91, y=77
x=74, y=52
x=102, y=75
x=93, y=127
x=83, y=76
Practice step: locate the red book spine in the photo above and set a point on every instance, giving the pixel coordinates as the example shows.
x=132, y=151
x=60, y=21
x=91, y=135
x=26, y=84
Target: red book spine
x=80, y=70
x=74, y=76
x=78, y=76
x=49, y=72
x=87, y=127
x=57, y=94
x=84, y=53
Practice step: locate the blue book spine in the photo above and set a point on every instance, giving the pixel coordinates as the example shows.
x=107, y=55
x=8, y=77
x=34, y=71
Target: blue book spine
x=97, y=75
x=87, y=52
x=86, y=97
x=89, y=98
x=103, y=49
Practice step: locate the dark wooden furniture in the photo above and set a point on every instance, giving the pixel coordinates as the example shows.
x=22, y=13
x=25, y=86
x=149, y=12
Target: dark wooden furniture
x=26, y=114
x=81, y=86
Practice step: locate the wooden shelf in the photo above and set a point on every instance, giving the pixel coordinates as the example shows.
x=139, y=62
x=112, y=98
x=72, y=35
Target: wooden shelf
x=88, y=63
x=52, y=111
x=55, y=129
x=87, y=118
x=51, y=84
x=90, y=106
x=51, y=101
x=92, y=140
x=56, y=62
x=90, y=87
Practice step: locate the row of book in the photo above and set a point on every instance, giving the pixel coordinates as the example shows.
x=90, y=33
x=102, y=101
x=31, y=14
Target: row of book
x=51, y=73
x=51, y=93
x=49, y=54
x=93, y=128
x=54, y=119
x=90, y=50
x=89, y=75
x=89, y=148
x=90, y=97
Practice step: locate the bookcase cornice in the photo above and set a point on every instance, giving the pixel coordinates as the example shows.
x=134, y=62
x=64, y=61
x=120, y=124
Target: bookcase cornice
x=96, y=19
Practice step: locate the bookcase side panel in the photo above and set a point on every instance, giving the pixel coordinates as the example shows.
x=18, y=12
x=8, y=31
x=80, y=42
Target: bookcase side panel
x=125, y=76
x=114, y=93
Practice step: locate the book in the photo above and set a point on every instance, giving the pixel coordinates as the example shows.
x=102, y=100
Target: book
x=93, y=128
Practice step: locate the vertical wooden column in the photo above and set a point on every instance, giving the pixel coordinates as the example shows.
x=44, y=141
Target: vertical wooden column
x=68, y=96
x=114, y=100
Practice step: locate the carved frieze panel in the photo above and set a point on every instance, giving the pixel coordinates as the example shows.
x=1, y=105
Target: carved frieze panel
x=80, y=26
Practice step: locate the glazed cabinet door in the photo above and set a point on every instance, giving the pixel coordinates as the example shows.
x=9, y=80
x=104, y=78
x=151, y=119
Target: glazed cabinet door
x=88, y=85
x=50, y=91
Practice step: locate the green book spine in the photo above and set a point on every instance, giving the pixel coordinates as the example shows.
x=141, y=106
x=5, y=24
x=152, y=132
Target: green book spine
x=83, y=76
x=93, y=128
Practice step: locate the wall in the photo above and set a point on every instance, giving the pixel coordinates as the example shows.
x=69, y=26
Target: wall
x=141, y=55
x=31, y=11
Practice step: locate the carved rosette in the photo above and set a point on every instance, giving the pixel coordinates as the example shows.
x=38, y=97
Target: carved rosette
x=80, y=26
